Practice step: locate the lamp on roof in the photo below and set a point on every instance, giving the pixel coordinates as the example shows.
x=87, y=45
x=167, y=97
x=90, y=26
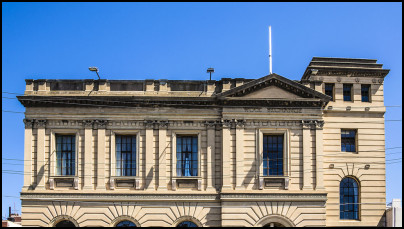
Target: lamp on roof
x=94, y=69
x=210, y=71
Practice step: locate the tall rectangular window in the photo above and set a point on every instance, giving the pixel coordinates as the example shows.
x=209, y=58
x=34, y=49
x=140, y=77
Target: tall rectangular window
x=65, y=155
x=365, y=91
x=347, y=91
x=273, y=155
x=329, y=90
x=125, y=155
x=348, y=140
x=187, y=156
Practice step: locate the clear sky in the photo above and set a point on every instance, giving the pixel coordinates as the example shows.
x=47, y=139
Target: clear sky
x=181, y=40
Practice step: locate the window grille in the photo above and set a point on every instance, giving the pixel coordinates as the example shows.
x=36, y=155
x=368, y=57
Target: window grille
x=349, y=199
x=65, y=155
x=187, y=156
x=125, y=155
x=348, y=140
x=273, y=155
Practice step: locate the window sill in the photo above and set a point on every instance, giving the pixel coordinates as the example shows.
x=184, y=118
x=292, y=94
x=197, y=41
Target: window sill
x=124, y=182
x=264, y=180
x=63, y=182
x=193, y=182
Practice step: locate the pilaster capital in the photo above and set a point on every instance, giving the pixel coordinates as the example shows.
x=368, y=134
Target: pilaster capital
x=227, y=123
x=88, y=123
x=149, y=124
x=40, y=123
x=210, y=124
x=319, y=124
x=163, y=124
x=101, y=124
x=29, y=123
x=240, y=123
x=308, y=124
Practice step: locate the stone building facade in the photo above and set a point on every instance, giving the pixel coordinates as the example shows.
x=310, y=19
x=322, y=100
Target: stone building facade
x=232, y=152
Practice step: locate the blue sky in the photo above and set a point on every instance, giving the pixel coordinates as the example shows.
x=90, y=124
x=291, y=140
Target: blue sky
x=181, y=40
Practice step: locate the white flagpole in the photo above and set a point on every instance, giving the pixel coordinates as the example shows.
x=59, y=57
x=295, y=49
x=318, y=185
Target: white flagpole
x=270, y=51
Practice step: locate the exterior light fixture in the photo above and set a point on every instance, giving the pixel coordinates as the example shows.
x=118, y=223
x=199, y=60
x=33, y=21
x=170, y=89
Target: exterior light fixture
x=331, y=166
x=367, y=166
x=94, y=69
x=210, y=71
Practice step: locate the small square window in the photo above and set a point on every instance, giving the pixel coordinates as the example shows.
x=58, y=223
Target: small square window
x=347, y=91
x=348, y=140
x=365, y=91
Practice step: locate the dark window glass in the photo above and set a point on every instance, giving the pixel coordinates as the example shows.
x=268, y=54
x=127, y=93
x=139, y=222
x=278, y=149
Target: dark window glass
x=125, y=155
x=65, y=155
x=329, y=90
x=347, y=91
x=126, y=223
x=187, y=156
x=273, y=155
x=65, y=223
x=348, y=140
x=349, y=199
x=365, y=91
x=187, y=224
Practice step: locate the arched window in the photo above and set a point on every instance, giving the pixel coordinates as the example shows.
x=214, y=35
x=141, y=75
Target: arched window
x=187, y=224
x=126, y=223
x=65, y=223
x=349, y=198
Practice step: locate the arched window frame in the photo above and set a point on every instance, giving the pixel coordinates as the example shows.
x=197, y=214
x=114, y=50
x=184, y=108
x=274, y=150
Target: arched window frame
x=187, y=218
x=359, y=197
x=119, y=219
x=60, y=218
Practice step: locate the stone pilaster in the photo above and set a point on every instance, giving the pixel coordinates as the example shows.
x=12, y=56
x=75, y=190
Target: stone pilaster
x=319, y=155
x=101, y=124
x=226, y=155
x=28, y=154
x=210, y=155
x=149, y=185
x=240, y=154
x=162, y=155
x=88, y=154
x=306, y=154
x=40, y=124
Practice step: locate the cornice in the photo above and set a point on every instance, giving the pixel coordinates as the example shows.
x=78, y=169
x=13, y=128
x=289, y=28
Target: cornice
x=157, y=102
x=175, y=197
x=118, y=197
